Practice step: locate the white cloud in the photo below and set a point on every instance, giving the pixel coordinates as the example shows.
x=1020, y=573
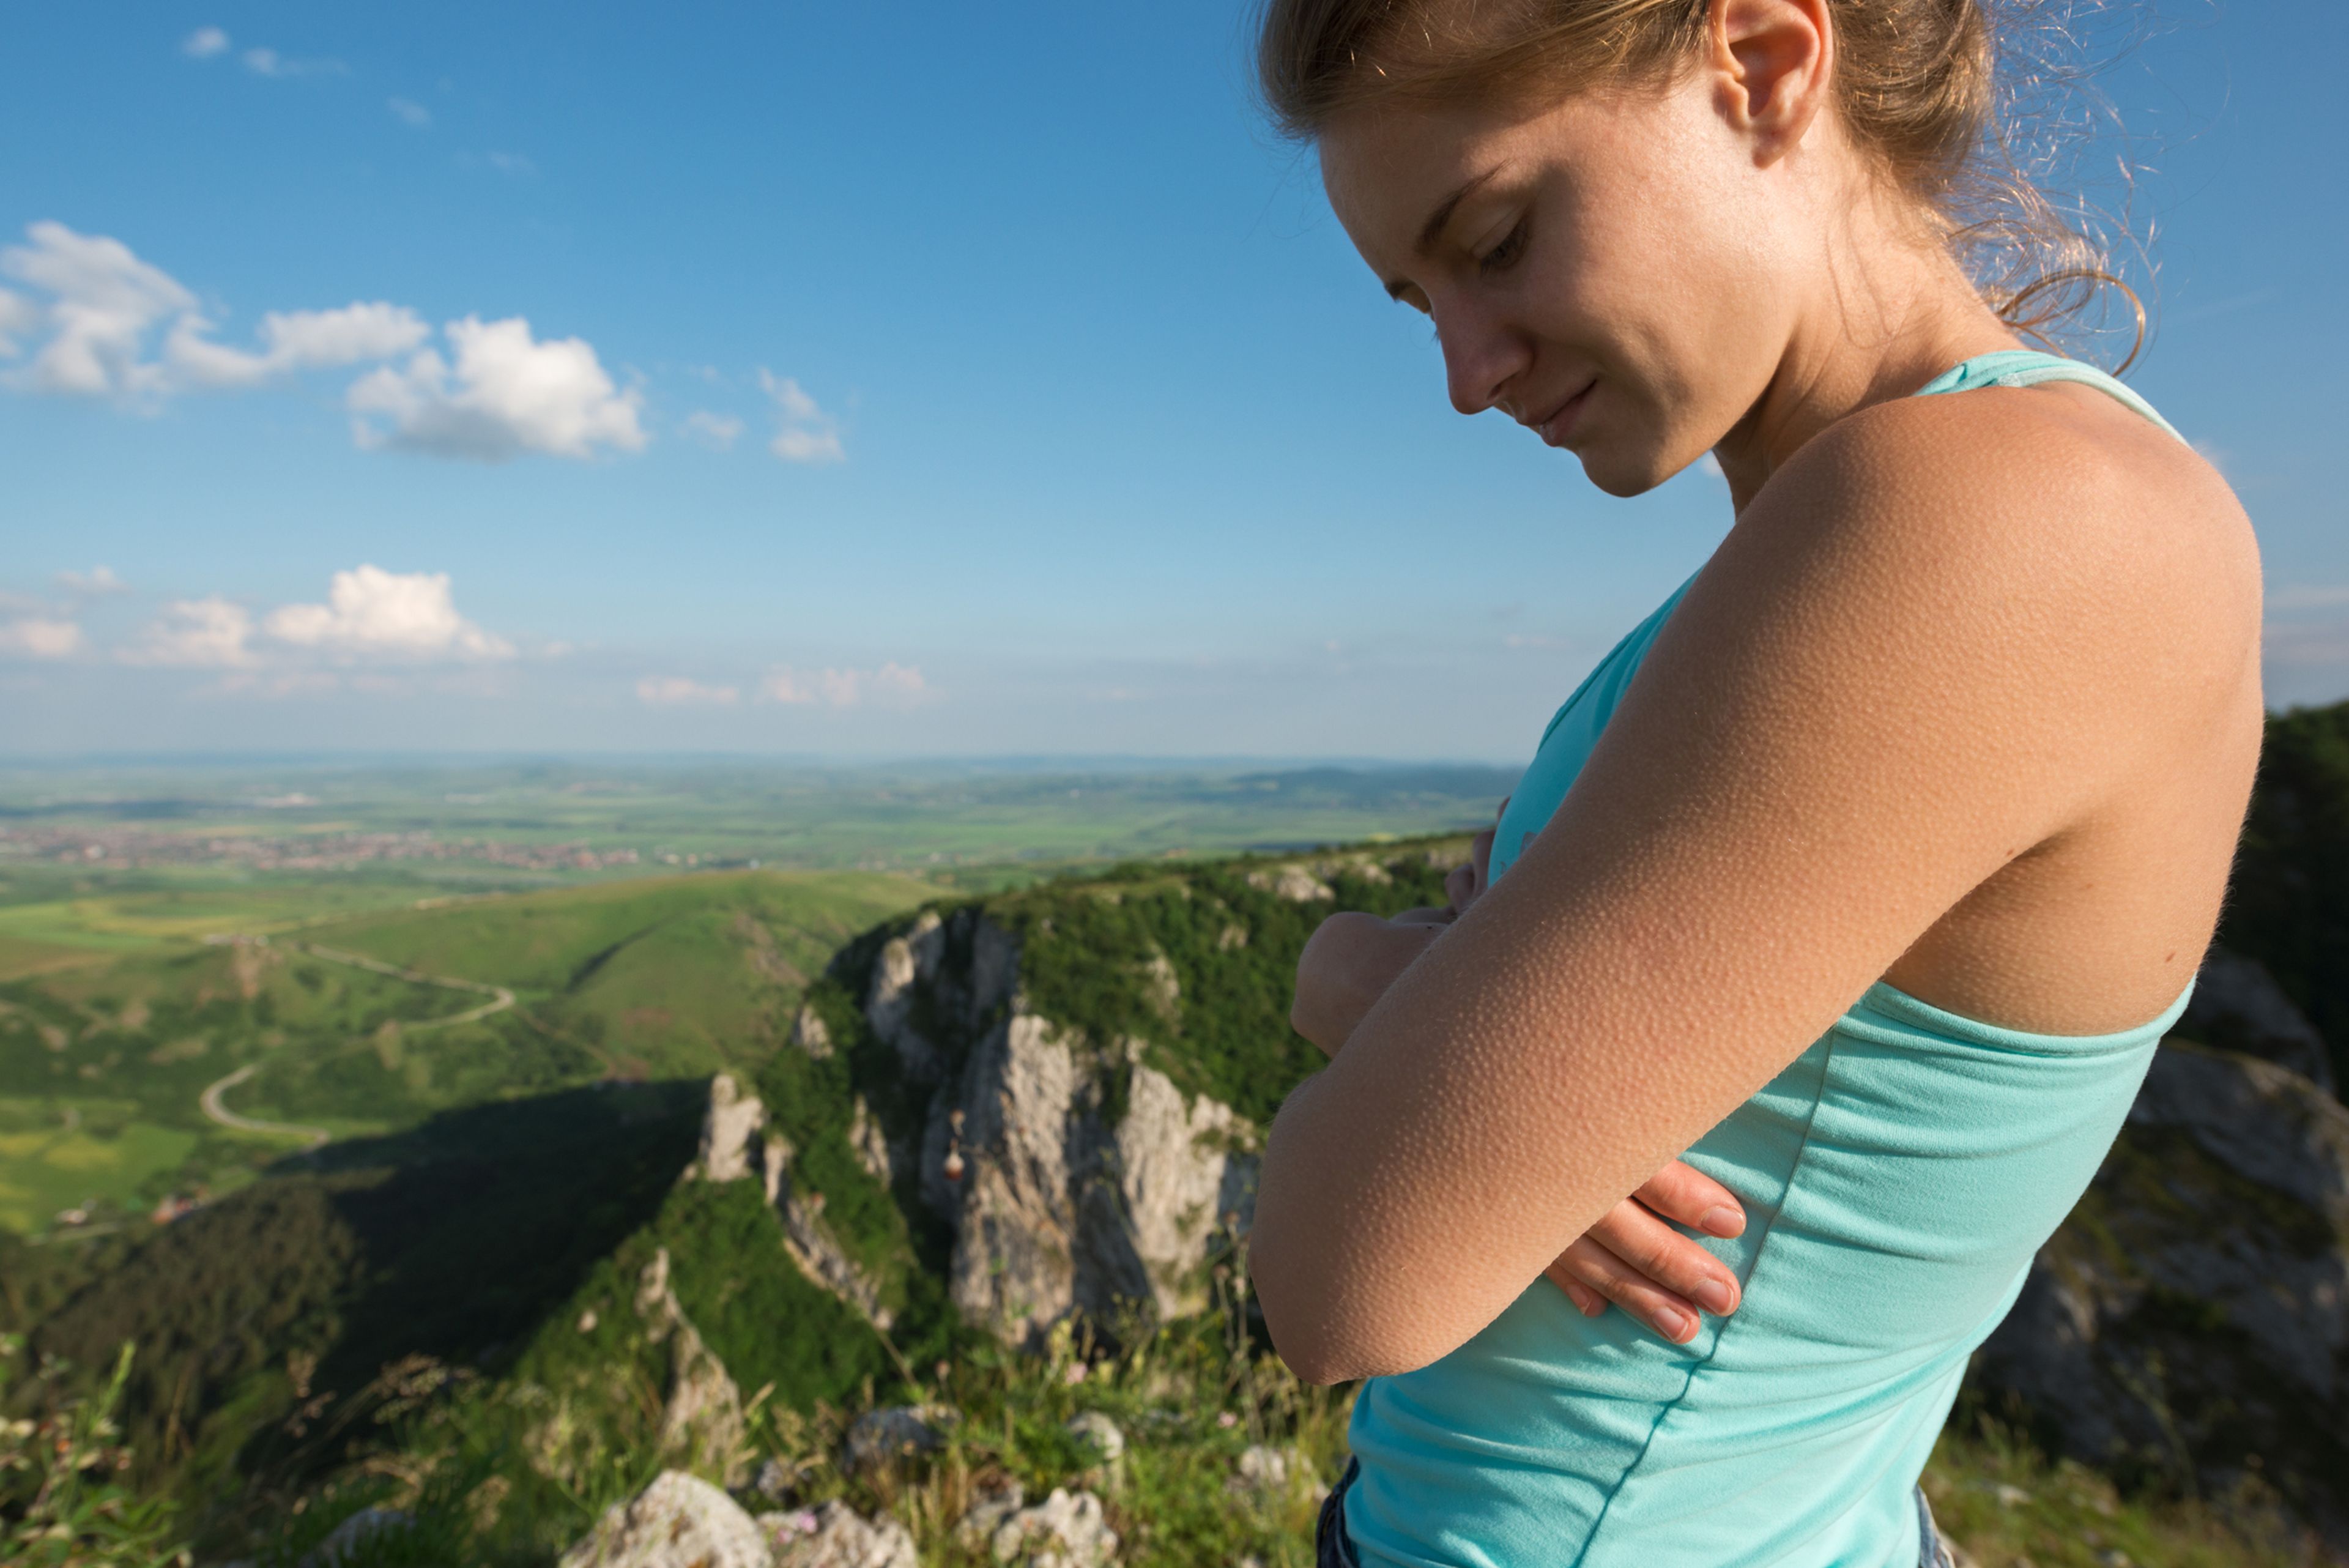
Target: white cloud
x=96, y=583
x=294, y=340
x=807, y=434
x=716, y=431
x=270, y=63
x=105, y=301
x=19, y=317
x=399, y=615
x=207, y=633
x=510, y=164
x=411, y=113
x=205, y=43
x=676, y=692
x=892, y=683
x=40, y=636
x=508, y=394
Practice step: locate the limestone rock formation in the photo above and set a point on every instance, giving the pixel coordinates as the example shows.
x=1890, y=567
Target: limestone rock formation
x=727, y=1132
x=730, y=1145
x=810, y=1034
x=905, y=962
x=989, y=1507
x=1294, y=883
x=2191, y=1318
x=701, y=1411
x=837, y=1536
x=1059, y=1199
x=1183, y=1165
x=678, y=1521
x=872, y=1145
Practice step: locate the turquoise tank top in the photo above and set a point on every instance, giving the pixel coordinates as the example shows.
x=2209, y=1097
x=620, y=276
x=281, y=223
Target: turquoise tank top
x=1898, y=1178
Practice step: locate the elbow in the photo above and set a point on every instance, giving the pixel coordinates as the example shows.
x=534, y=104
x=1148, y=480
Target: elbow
x=1324, y=1333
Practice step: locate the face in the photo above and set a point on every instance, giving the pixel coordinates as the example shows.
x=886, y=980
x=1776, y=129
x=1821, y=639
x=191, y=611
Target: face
x=1609, y=271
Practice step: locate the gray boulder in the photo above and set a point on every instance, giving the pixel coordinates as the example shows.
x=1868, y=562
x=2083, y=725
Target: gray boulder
x=837, y=1536
x=678, y=1521
x=1066, y=1529
x=894, y=1432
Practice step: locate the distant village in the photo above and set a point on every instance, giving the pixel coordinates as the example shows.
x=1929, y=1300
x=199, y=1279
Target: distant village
x=117, y=847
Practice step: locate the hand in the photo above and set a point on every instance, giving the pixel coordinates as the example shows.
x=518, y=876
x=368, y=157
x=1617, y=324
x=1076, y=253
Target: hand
x=1346, y=966
x=1650, y=1270
x=1466, y=883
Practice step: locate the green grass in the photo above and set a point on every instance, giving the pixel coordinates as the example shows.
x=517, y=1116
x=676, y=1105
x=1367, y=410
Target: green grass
x=658, y=975
x=56, y=1155
x=2012, y=1507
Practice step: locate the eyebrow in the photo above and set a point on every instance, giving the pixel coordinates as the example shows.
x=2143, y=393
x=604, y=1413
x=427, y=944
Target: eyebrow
x=1432, y=229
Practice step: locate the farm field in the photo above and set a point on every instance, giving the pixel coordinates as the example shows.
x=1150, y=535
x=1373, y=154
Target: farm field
x=517, y=824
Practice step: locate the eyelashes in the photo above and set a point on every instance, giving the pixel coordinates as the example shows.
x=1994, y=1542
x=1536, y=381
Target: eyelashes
x=1503, y=255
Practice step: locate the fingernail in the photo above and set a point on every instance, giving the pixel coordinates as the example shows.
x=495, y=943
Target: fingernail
x=1674, y=1326
x=1723, y=1222
x=1592, y=1306
x=1714, y=1297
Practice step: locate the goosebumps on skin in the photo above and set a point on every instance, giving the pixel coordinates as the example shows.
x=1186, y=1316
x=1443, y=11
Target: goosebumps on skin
x=1966, y=701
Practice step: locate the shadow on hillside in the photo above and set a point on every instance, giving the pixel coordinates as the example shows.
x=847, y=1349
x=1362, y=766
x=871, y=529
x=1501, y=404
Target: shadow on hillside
x=450, y=1240
x=482, y=1221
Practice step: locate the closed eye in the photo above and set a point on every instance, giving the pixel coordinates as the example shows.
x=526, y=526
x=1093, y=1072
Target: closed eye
x=1501, y=257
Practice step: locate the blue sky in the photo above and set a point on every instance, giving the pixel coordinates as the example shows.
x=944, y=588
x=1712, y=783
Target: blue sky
x=880, y=379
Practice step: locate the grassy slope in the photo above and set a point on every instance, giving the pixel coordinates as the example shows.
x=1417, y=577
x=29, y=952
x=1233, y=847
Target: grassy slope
x=679, y=973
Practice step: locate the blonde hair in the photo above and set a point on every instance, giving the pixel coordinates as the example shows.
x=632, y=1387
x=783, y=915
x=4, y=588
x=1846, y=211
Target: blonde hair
x=1924, y=88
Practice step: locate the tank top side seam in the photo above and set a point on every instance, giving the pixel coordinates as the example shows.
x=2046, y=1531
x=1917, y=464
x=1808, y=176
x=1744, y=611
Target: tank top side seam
x=1761, y=1250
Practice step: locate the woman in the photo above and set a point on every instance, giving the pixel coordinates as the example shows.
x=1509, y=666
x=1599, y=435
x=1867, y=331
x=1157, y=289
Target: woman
x=1865, y=875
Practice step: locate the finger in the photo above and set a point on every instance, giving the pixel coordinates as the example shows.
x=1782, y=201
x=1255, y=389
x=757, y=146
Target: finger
x=1586, y=1302
x=1424, y=915
x=1684, y=1193
x=1460, y=886
x=1664, y=1257
x=1480, y=856
x=1595, y=1267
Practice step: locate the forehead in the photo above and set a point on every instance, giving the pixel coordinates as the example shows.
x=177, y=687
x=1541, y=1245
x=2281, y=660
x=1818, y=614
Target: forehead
x=1386, y=167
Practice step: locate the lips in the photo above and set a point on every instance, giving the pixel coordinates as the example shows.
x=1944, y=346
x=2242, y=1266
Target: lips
x=1555, y=426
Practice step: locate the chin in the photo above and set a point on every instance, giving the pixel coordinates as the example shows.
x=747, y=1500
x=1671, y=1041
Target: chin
x=1623, y=474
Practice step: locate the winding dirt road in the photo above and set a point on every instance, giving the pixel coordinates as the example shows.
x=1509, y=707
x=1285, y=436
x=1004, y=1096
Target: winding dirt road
x=210, y=1100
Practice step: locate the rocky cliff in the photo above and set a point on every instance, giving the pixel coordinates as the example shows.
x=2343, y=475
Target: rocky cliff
x=1070, y=1084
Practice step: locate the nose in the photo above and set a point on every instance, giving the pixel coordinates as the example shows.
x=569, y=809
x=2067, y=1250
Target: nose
x=1481, y=356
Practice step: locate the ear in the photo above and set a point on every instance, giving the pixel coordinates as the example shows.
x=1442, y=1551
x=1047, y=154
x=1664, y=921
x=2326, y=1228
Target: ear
x=1773, y=63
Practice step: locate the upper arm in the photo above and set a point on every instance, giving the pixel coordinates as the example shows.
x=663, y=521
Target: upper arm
x=1900, y=673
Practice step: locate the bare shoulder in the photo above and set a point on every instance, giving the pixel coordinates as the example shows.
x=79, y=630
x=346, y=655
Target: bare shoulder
x=2052, y=514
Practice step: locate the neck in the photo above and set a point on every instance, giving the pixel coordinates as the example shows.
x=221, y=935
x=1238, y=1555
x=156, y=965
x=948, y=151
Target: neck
x=1911, y=316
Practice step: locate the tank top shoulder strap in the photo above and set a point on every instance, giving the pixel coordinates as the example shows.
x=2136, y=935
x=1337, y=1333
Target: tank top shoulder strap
x=2029, y=368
